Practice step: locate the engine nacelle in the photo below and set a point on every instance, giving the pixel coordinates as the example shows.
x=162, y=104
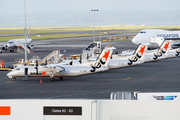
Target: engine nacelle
x=30, y=46
x=4, y=48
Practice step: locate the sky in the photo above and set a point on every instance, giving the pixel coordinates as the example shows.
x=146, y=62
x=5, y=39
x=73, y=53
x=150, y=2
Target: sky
x=9, y=7
x=14, y=9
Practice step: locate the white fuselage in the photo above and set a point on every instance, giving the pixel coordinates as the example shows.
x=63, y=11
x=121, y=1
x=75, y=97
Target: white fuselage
x=15, y=43
x=145, y=35
x=121, y=61
x=60, y=71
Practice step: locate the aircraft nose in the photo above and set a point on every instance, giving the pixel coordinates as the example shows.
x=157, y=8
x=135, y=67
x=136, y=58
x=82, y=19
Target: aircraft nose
x=134, y=40
x=8, y=45
x=10, y=74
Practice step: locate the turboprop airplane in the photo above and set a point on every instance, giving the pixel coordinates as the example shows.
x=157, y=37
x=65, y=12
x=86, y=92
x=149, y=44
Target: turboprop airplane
x=18, y=43
x=154, y=38
x=137, y=57
x=56, y=70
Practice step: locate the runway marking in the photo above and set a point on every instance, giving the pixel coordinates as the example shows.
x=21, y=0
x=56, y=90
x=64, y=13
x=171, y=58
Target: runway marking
x=128, y=78
x=10, y=82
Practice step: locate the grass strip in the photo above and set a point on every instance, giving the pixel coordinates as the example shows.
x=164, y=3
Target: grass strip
x=20, y=30
x=47, y=36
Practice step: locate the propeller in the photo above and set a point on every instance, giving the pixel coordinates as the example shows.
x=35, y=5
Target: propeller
x=36, y=67
x=80, y=61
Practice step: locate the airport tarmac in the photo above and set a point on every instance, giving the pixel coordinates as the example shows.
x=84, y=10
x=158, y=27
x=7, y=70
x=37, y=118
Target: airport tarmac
x=158, y=76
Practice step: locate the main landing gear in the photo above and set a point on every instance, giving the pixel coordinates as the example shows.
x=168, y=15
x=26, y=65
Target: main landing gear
x=52, y=79
x=14, y=79
x=12, y=50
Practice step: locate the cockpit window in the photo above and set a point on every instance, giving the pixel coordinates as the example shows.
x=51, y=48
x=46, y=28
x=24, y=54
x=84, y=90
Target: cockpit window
x=10, y=42
x=17, y=69
x=142, y=32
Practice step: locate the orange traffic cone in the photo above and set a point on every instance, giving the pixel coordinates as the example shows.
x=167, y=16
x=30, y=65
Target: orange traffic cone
x=41, y=81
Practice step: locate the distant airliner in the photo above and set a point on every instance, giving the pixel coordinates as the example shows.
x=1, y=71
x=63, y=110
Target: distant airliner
x=18, y=43
x=148, y=36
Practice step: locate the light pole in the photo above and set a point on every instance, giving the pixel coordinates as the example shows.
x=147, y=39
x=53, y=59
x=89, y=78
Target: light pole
x=25, y=31
x=94, y=24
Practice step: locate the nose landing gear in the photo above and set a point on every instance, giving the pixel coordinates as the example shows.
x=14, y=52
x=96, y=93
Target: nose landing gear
x=14, y=79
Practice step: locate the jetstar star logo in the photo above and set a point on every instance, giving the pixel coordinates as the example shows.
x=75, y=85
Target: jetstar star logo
x=43, y=73
x=106, y=55
x=142, y=50
x=166, y=46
